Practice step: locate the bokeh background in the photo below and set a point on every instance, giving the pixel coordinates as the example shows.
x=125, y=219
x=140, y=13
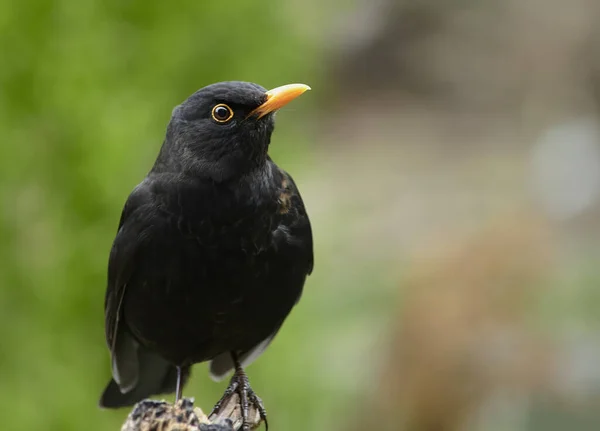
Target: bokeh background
x=449, y=157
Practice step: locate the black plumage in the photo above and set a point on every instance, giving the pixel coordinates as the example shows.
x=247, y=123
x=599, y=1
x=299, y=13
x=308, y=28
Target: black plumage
x=212, y=250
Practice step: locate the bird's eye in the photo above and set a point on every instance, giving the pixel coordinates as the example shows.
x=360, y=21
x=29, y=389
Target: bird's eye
x=222, y=113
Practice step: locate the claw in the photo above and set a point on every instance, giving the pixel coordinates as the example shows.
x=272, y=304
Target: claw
x=259, y=406
x=240, y=385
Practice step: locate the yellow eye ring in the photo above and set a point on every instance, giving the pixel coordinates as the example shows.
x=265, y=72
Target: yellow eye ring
x=222, y=113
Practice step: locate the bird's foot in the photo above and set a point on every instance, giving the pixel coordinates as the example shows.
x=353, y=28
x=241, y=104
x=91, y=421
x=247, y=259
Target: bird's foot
x=240, y=385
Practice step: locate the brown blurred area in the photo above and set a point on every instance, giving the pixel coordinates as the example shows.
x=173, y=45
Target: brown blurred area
x=475, y=124
x=467, y=333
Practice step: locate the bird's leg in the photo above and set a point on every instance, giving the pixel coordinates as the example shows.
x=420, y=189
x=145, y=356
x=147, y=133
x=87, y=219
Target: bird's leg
x=179, y=389
x=239, y=384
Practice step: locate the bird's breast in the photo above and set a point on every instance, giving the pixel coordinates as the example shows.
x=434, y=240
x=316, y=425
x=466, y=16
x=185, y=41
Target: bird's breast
x=248, y=232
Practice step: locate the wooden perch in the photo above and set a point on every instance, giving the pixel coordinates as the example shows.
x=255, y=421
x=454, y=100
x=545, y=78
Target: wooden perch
x=150, y=415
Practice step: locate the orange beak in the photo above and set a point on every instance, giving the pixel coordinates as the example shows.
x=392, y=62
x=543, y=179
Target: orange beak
x=278, y=97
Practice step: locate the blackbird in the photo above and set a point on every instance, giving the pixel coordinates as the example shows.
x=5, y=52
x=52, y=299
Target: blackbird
x=212, y=250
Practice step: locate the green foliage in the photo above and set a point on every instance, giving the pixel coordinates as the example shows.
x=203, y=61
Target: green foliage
x=86, y=90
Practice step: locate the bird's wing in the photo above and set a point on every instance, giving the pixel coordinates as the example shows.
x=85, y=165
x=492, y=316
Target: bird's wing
x=294, y=230
x=294, y=221
x=130, y=234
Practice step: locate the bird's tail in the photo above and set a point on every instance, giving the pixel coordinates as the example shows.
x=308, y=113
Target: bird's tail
x=156, y=376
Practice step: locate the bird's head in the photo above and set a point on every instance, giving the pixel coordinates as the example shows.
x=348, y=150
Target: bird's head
x=224, y=129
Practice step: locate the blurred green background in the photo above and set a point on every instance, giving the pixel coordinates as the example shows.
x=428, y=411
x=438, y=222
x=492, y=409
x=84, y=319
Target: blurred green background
x=449, y=157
